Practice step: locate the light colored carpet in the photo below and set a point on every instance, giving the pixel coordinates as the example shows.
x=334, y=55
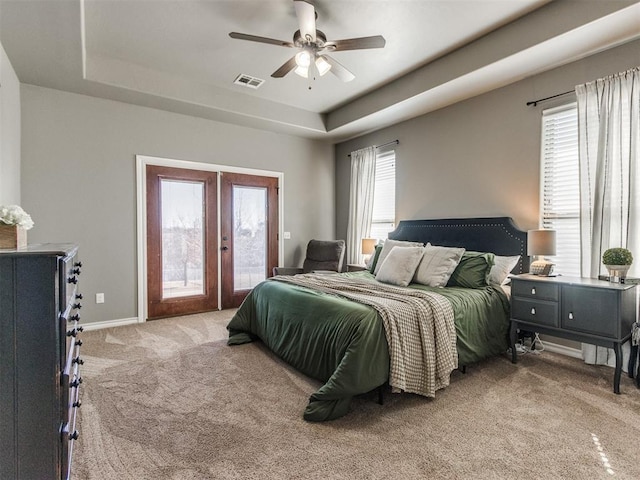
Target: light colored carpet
x=170, y=400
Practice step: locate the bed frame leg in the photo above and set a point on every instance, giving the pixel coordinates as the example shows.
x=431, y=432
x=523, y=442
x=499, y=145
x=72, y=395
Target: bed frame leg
x=463, y=369
x=380, y=395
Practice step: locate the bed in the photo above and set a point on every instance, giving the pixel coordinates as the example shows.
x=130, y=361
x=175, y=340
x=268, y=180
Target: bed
x=336, y=327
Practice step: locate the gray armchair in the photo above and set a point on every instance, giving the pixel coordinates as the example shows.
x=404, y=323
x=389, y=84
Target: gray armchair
x=326, y=255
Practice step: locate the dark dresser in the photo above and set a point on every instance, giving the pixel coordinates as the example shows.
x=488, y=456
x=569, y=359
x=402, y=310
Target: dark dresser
x=39, y=360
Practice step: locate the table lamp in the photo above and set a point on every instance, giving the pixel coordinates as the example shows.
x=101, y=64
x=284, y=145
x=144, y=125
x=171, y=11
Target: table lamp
x=368, y=247
x=540, y=243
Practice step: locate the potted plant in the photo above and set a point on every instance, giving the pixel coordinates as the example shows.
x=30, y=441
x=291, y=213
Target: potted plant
x=617, y=261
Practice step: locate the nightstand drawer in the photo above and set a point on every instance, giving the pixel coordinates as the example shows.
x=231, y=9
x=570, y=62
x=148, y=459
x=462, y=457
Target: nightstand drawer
x=535, y=311
x=535, y=290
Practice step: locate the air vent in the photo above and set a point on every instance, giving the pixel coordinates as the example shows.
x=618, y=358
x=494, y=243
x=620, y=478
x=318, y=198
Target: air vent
x=248, y=81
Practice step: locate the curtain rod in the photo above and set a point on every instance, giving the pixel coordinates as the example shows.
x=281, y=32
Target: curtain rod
x=393, y=142
x=535, y=102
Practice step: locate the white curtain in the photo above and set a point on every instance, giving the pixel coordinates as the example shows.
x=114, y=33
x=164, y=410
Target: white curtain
x=609, y=146
x=363, y=175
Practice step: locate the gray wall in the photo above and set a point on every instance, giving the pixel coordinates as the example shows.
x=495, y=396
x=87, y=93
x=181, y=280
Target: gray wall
x=9, y=133
x=79, y=185
x=480, y=157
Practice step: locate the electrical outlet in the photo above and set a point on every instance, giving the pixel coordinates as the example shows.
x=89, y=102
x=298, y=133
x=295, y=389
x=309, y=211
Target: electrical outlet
x=99, y=297
x=287, y=235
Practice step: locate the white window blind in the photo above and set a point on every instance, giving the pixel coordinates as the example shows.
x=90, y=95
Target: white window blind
x=384, y=200
x=560, y=189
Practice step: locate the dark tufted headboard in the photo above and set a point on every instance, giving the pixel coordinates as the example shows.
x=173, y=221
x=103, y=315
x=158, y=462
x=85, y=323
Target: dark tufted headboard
x=498, y=235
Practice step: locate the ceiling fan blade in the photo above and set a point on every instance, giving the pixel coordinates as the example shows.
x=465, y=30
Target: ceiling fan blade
x=338, y=70
x=255, y=38
x=306, y=19
x=285, y=68
x=376, y=41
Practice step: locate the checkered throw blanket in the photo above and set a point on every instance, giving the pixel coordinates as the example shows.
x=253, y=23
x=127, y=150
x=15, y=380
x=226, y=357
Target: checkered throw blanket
x=419, y=327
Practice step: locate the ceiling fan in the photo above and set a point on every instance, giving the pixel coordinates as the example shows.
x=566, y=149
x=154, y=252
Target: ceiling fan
x=313, y=47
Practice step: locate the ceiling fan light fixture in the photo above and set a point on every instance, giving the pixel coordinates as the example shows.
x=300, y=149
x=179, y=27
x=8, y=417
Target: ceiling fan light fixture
x=303, y=59
x=312, y=44
x=322, y=65
x=302, y=71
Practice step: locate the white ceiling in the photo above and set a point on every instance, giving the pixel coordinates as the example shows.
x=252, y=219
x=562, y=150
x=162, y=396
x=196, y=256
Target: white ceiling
x=177, y=55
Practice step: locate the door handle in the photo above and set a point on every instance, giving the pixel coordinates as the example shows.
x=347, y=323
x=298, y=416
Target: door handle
x=225, y=248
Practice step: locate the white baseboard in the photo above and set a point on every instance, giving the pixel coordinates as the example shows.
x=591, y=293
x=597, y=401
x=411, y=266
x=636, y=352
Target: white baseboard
x=562, y=349
x=109, y=323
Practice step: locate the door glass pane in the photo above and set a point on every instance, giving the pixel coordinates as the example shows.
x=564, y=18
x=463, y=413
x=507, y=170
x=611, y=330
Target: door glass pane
x=249, y=236
x=182, y=205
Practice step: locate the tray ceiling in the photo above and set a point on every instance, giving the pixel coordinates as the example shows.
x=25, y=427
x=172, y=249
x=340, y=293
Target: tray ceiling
x=177, y=55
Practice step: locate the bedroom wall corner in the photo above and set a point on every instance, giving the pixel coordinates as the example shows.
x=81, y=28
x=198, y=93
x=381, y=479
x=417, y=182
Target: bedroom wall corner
x=10, y=135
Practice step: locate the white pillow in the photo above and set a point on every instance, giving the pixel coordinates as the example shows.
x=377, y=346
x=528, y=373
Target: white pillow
x=501, y=269
x=388, y=245
x=400, y=265
x=437, y=265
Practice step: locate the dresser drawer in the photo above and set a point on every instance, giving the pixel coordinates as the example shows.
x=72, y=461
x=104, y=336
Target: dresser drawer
x=538, y=312
x=68, y=430
x=535, y=290
x=69, y=275
x=69, y=329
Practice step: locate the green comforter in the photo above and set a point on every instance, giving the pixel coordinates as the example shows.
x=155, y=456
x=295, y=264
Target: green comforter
x=343, y=343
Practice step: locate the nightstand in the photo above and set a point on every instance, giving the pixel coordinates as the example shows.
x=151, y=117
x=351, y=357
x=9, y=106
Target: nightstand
x=580, y=309
x=352, y=267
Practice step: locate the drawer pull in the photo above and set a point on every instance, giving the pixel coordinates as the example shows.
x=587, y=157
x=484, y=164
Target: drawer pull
x=78, y=264
x=570, y=315
x=78, y=343
x=72, y=280
x=77, y=404
x=533, y=291
x=74, y=435
x=75, y=271
x=76, y=383
x=79, y=296
x=78, y=360
x=75, y=318
x=77, y=305
x=74, y=332
x=533, y=311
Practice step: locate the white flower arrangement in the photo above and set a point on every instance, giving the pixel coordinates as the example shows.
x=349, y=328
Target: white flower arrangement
x=15, y=215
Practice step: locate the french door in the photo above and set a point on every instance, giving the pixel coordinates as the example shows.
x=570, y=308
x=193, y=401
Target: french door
x=185, y=250
x=182, y=262
x=249, y=233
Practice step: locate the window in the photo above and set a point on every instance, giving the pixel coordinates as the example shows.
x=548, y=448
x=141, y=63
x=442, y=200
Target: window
x=384, y=197
x=560, y=185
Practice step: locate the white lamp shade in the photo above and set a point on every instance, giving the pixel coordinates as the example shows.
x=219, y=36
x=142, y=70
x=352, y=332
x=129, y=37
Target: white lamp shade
x=322, y=65
x=303, y=58
x=541, y=242
x=368, y=246
x=302, y=71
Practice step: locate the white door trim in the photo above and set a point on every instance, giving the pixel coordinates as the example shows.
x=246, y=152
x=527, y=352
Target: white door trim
x=141, y=209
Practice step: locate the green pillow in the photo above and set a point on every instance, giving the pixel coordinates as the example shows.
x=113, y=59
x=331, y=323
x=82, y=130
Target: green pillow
x=374, y=259
x=472, y=270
